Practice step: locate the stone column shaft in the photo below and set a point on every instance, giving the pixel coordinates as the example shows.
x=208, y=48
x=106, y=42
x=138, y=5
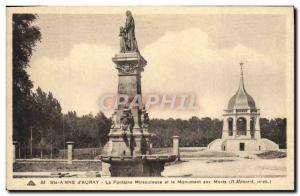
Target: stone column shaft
x=234, y=126
x=225, y=128
x=256, y=123
x=70, y=151
x=248, y=131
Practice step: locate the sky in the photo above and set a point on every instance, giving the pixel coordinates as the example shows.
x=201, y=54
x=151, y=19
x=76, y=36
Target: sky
x=194, y=54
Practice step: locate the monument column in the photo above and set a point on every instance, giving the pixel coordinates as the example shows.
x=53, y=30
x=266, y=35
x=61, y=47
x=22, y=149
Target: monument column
x=225, y=128
x=128, y=148
x=234, y=126
x=128, y=135
x=248, y=131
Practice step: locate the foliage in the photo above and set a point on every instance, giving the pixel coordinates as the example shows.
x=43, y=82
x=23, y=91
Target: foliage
x=86, y=131
x=272, y=155
x=51, y=129
x=192, y=132
x=47, y=117
x=275, y=130
x=25, y=37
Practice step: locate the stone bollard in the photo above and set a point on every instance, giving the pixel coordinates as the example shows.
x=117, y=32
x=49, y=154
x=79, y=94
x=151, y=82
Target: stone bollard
x=15, y=143
x=70, y=145
x=105, y=169
x=176, y=146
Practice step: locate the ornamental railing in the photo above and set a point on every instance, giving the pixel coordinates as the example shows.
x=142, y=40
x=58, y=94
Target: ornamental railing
x=242, y=111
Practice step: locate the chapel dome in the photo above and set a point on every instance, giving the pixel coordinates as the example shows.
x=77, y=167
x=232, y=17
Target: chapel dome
x=241, y=99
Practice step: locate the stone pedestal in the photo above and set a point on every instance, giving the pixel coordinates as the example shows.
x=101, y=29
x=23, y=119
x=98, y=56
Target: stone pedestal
x=128, y=135
x=15, y=143
x=176, y=145
x=70, y=146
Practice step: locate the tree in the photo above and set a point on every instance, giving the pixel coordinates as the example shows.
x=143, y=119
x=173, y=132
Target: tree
x=281, y=124
x=103, y=128
x=275, y=130
x=47, y=121
x=87, y=130
x=25, y=37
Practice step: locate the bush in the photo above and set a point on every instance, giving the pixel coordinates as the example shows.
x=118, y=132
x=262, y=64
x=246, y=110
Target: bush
x=272, y=155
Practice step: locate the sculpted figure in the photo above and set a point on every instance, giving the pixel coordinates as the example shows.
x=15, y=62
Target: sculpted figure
x=127, y=120
x=123, y=39
x=145, y=118
x=127, y=34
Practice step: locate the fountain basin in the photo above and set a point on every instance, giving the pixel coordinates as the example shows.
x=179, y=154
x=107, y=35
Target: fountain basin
x=137, y=166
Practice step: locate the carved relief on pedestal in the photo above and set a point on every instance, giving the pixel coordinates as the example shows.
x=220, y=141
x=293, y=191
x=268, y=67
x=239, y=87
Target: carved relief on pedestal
x=127, y=68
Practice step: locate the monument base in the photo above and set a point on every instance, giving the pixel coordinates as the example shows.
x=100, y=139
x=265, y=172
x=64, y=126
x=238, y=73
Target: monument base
x=237, y=145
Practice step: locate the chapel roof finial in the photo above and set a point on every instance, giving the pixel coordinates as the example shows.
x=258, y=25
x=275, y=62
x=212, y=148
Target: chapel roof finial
x=241, y=64
x=242, y=76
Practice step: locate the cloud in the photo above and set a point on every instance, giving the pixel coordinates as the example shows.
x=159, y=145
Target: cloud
x=184, y=62
x=79, y=79
x=187, y=62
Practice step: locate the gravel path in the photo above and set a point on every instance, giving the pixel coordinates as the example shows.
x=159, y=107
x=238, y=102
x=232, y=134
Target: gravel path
x=240, y=167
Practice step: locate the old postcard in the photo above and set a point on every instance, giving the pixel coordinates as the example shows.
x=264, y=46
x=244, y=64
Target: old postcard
x=150, y=98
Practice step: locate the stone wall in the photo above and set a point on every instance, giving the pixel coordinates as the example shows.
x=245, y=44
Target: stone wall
x=81, y=153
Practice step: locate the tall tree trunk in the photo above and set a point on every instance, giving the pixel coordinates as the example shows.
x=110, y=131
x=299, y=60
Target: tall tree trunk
x=51, y=153
x=25, y=150
x=31, y=142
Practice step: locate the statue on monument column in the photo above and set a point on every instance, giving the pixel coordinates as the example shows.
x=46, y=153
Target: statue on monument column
x=145, y=118
x=127, y=121
x=123, y=39
x=128, y=41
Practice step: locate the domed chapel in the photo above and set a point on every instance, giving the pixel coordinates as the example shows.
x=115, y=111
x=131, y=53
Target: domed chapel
x=241, y=129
